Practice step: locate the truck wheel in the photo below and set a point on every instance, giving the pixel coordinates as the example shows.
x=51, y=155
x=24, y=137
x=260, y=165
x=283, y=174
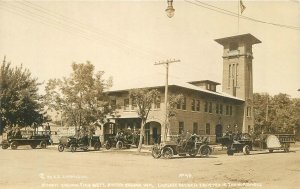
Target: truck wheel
x=193, y=153
x=43, y=144
x=107, y=146
x=119, y=145
x=73, y=148
x=156, y=152
x=230, y=152
x=14, y=145
x=4, y=146
x=61, y=148
x=97, y=146
x=246, y=150
x=33, y=146
x=167, y=152
x=205, y=150
x=286, y=147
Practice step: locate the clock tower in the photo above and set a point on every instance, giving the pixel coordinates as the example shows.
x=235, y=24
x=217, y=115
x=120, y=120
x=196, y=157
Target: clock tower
x=237, y=72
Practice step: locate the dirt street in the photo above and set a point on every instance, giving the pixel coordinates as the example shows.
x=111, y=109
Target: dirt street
x=48, y=168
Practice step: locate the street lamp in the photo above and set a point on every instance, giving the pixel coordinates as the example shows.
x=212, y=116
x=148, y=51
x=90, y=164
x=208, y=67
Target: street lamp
x=170, y=10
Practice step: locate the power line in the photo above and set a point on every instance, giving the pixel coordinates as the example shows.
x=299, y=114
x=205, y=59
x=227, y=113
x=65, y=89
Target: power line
x=230, y=13
x=63, y=23
x=88, y=28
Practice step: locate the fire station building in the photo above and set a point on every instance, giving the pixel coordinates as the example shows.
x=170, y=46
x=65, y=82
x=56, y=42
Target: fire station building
x=204, y=110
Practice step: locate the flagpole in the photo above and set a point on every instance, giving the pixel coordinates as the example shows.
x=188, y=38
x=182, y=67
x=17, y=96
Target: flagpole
x=238, y=25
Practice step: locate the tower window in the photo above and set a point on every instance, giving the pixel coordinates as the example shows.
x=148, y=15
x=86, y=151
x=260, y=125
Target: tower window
x=248, y=111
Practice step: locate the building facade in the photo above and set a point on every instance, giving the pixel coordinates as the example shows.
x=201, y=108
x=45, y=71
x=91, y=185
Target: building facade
x=204, y=110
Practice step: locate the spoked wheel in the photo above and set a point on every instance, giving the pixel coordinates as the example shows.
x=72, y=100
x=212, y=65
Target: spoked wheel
x=167, y=152
x=97, y=146
x=4, y=146
x=33, y=146
x=73, y=148
x=137, y=143
x=193, y=153
x=246, y=150
x=61, y=148
x=119, y=145
x=14, y=145
x=205, y=150
x=286, y=148
x=107, y=145
x=43, y=144
x=156, y=152
x=230, y=151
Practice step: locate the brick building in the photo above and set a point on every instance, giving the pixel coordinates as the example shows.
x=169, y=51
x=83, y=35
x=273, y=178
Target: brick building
x=205, y=111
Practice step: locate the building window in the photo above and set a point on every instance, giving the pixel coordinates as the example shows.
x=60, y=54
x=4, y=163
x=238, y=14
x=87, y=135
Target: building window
x=213, y=87
x=207, y=129
x=157, y=103
x=198, y=106
x=113, y=104
x=184, y=104
x=229, y=75
x=178, y=105
x=126, y=104
x=221, y=109
x=230, y=110
x=181, y=127
x=227, y=110
x=193, y=104
x=195, y=128
x=205, y=106
x=217, y=108
x=133, y=104
x=236, y=75
x=208, y=86
x=210, y=107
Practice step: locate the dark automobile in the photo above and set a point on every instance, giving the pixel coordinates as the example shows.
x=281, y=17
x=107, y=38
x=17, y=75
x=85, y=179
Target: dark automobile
x=191, y=144
x=236, y=142
x=122, y=139
x=83, y=143
x=14, y=139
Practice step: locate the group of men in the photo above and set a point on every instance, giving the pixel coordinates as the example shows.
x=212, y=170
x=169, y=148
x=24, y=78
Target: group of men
x=13, y=132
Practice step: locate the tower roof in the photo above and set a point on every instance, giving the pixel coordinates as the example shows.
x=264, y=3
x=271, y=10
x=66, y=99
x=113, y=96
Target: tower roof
x=244, y=37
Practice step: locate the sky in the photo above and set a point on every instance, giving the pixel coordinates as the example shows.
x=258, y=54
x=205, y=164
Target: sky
x=125, y=39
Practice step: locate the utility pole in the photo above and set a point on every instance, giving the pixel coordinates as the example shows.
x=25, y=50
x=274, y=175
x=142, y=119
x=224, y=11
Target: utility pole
x=167, y=62
x=4, y=60
x=267, y=109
